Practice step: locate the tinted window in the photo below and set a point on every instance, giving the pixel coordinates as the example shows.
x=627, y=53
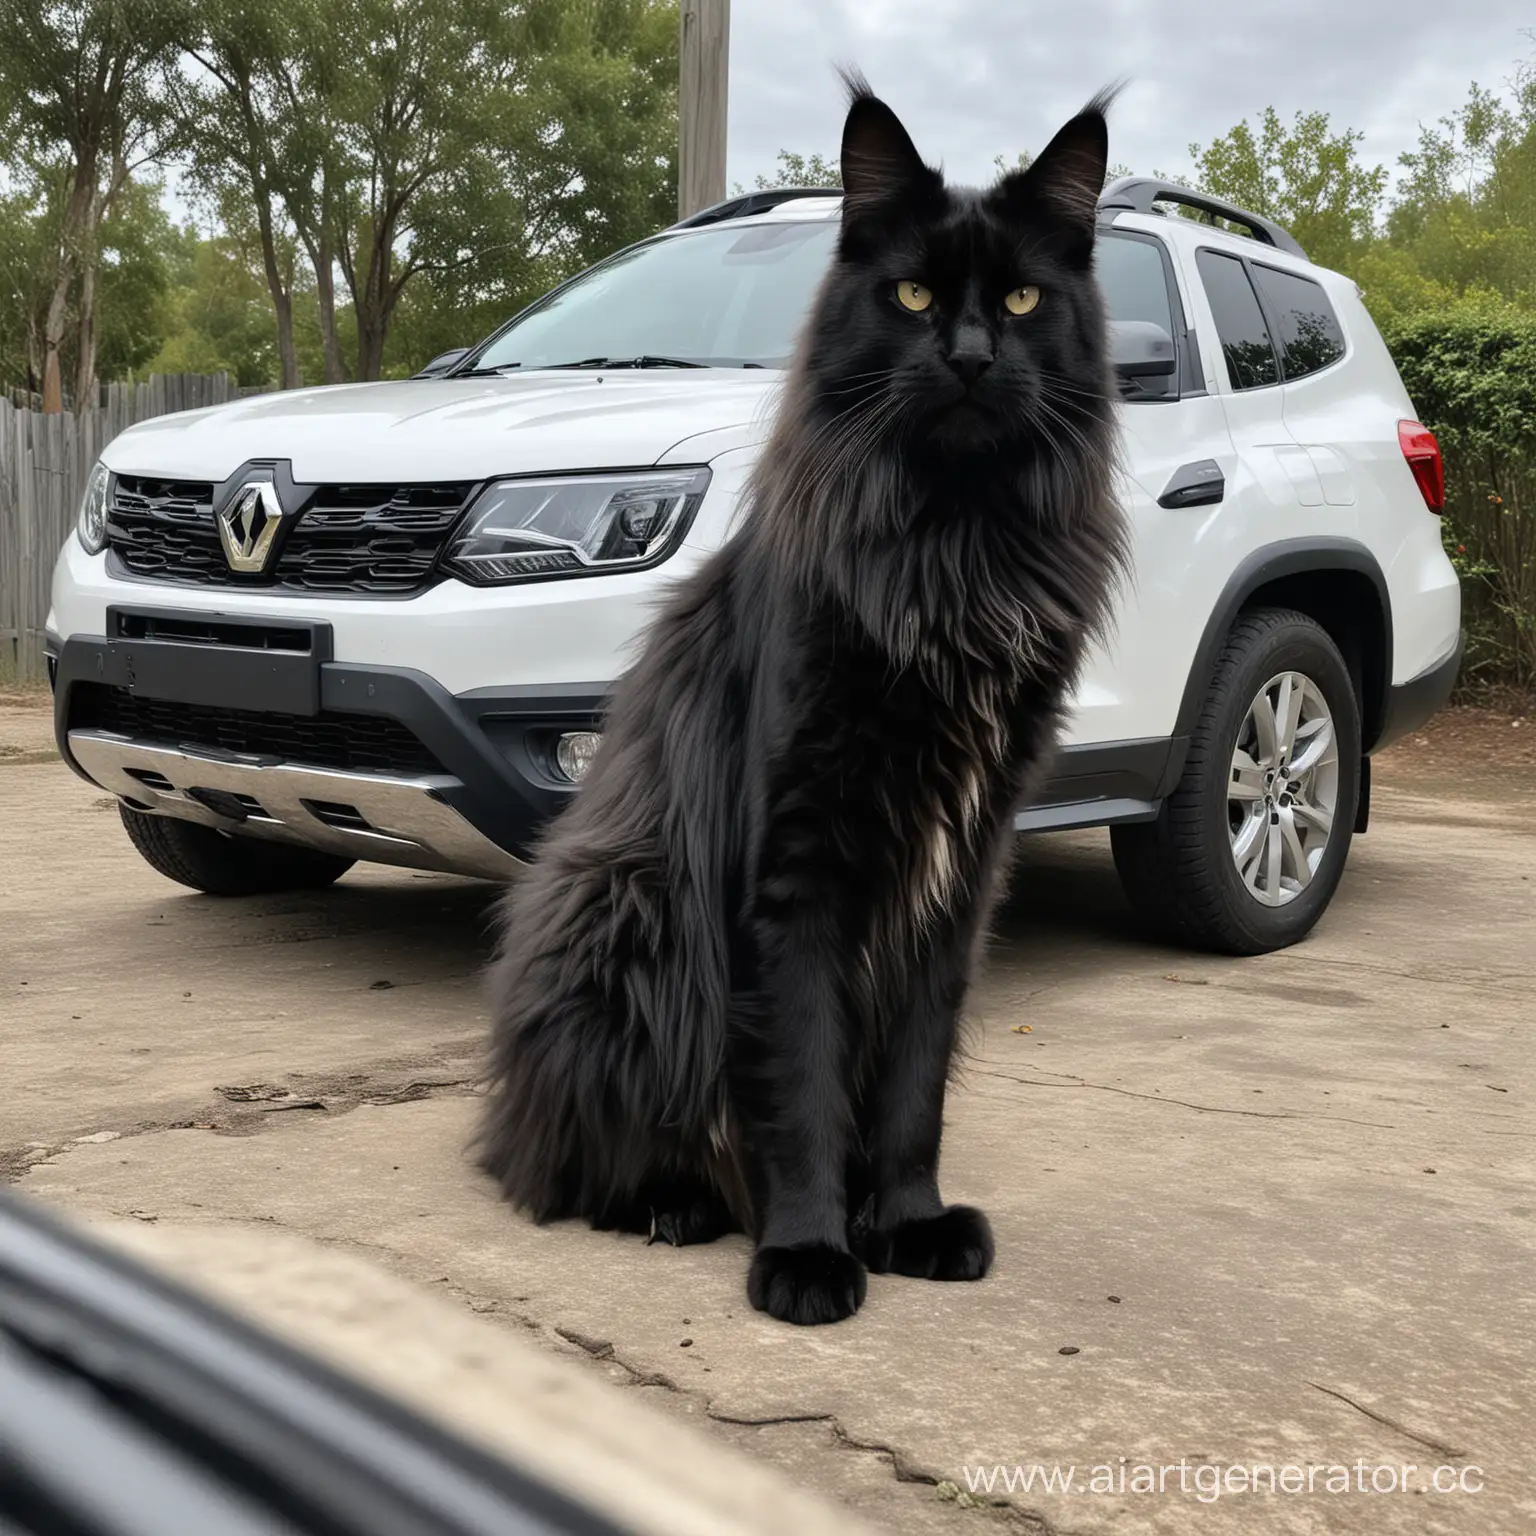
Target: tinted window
x=1240, y=326
x=1310, y=335
x=1135, y=287
x=1130, y=272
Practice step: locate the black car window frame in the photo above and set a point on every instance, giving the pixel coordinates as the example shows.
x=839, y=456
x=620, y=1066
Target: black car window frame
x=1265, y=314
x=1272, y=319
x=1188, y=378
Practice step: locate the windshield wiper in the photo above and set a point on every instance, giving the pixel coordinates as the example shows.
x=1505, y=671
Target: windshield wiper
x=645, y=360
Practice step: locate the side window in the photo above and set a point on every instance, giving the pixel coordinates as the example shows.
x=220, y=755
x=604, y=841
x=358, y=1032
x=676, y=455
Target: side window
x=1310, y=334
x=1240, y=327
x=1135, y=287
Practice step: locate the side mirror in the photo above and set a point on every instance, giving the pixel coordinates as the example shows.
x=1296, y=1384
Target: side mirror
x=442, y=363
x=1141, y=350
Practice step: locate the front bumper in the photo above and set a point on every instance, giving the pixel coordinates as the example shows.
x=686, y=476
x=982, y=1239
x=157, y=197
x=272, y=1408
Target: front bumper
x=376, y=816
x=384, y=764
x=480, y=782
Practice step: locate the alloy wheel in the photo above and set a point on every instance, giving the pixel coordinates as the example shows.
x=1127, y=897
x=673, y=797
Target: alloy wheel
x=1283, y=788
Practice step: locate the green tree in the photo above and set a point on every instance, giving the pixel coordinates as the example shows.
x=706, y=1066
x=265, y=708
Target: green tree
x=27, y=259
x=139, y=249
x=1471, y=371
x=81, y=99
x=481, y=149
x=135, y=250
x=792, y=170
x=219, y=314
x=1466, y=208
x=489, y=143
x=245, y=137
x=1305, y=177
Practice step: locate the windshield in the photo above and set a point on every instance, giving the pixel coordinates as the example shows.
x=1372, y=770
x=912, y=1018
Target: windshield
x=727, y=298
x=735, y=298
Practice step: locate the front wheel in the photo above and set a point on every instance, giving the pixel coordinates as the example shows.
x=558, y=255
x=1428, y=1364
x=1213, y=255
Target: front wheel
x=1247, y=852
x=220, y=865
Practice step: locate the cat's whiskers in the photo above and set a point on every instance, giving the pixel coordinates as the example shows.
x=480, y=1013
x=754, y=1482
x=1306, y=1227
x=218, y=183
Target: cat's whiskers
x=1057, y=384
x=1075, y=465
x=1063, y=465
x=829, y=444
x=838, y=451
x=1101, y=461
x=1075, y=433
x=852, y=382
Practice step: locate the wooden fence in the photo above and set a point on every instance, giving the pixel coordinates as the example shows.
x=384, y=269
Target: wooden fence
x=43, y=464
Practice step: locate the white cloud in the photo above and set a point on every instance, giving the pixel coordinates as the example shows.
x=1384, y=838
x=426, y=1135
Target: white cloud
x=976, y=78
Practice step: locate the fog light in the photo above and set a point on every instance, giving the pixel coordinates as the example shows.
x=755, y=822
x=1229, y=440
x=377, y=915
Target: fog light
x=574, y=753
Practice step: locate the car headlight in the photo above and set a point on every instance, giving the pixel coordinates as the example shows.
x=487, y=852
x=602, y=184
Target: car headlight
x=91, y=525
x=574, y=525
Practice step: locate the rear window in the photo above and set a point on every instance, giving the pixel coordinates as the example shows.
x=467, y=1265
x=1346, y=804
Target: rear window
x=1310, y=335
x=1240, y=327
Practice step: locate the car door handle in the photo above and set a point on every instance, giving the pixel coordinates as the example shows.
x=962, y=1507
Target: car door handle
x=1200, y=484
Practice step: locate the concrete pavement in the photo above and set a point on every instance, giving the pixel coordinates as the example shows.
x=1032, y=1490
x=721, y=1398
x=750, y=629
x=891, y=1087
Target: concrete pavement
x=1280, y=1211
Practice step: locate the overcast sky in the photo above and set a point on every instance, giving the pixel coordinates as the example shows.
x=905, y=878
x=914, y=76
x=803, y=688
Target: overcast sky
x=977, y=78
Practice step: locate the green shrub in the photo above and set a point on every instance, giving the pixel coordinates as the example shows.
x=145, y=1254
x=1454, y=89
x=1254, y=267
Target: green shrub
x=1472, y=374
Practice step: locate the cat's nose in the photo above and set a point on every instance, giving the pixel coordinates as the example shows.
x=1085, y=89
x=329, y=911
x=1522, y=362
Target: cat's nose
x=970, y=356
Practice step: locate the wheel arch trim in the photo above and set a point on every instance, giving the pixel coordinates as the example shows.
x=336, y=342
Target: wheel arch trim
x=1274, y=562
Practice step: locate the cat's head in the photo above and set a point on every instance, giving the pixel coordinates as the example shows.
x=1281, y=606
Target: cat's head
x=959, y=320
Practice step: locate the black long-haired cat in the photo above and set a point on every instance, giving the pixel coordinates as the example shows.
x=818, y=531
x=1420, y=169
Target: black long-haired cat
x=727, y=990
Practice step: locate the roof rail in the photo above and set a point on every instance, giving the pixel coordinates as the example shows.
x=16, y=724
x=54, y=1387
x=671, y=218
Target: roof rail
x=1136, y=194
x=748, y=203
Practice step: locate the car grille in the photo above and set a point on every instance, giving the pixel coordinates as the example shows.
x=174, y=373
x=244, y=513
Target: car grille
x=352, y=743
x=371, y=539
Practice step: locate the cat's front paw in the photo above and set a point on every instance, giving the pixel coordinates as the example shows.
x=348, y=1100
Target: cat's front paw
x=807, y=1285
x=954, y=1245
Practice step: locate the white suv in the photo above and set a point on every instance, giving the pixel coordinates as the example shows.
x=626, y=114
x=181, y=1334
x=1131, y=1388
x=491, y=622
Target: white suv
x=379, y=621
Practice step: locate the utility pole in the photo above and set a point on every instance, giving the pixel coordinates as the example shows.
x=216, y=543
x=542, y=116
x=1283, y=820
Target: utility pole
x=706, y=54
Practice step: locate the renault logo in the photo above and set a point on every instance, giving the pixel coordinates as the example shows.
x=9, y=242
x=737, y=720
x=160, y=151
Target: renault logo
x=248, y=525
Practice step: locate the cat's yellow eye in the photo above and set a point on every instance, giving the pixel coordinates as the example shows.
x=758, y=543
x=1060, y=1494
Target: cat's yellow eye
x=1022, y=300
x=913, y=296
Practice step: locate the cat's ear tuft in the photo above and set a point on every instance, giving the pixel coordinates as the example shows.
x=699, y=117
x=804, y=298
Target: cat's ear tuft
x=1068, y=174
x=880, y=164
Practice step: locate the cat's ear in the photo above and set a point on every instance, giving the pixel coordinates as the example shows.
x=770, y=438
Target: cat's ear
x=1068, y=174
x=880, y=164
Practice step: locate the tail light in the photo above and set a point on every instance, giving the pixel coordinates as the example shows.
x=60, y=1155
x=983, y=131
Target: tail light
x=1423, y=455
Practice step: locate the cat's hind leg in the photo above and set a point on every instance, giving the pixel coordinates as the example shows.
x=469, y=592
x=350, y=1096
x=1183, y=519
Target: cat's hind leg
x=680, y=1209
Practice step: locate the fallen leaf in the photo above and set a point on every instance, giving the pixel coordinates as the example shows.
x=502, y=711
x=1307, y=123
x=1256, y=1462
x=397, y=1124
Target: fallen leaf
x=1023, y=1029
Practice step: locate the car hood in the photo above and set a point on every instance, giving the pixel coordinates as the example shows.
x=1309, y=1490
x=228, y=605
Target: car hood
x=462, y=429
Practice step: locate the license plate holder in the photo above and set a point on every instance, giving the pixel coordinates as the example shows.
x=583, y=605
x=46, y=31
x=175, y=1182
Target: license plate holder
x=217, y=660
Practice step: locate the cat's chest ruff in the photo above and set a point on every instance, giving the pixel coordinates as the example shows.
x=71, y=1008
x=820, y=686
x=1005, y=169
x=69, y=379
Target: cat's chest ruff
x=937, y=797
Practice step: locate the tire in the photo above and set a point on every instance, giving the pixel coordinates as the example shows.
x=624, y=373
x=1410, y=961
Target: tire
x=1182, y=872
x=220, y=865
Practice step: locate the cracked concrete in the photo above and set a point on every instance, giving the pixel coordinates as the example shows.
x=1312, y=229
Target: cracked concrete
x=1282, y=1209
x=651, y=1474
